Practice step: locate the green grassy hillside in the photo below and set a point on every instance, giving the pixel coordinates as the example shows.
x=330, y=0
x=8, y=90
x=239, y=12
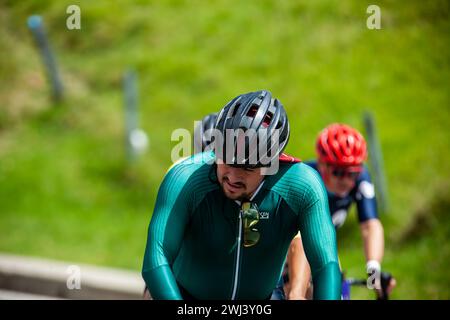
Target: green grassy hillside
x=66, y=191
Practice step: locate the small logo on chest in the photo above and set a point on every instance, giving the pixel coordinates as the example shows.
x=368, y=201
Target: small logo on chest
x=264, y=215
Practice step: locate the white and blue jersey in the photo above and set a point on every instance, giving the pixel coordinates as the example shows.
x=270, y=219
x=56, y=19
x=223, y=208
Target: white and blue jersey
x=363, y=194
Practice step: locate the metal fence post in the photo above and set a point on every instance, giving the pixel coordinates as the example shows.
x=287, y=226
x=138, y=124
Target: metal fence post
x=37, y=28
x=135, y=139
x=376, y=162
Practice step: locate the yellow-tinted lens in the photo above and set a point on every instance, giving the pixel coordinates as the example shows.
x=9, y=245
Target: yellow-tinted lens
x=249, y=223
x=251, y=237
x=246, y=206
x=250, y=215
x=250, y=218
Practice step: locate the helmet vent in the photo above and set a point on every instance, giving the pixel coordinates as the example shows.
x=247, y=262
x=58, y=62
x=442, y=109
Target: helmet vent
x=268, y=119
x=236, y=107
x=252, y=111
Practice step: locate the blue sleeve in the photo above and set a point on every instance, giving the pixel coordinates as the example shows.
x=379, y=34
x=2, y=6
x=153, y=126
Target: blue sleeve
x=365, y=197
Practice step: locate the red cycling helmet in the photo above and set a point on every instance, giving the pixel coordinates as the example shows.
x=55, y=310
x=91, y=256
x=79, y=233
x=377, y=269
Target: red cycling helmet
x=341, y=145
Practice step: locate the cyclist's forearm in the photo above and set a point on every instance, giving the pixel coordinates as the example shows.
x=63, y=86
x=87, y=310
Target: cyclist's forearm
x=327, y=282
x=373, y=238
x=161, y=283
x=299, y=271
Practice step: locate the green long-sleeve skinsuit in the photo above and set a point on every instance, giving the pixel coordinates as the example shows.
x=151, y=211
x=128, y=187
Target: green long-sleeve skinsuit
x=195, y=235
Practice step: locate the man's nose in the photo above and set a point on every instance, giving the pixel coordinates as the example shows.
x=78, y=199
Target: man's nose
x=234, y=175
x=348, y=182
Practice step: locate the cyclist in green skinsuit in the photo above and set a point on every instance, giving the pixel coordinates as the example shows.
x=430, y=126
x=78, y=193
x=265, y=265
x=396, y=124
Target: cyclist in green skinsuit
x=222, y=226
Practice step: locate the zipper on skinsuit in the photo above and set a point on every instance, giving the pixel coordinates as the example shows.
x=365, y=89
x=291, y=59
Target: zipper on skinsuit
x=238, y=257
x=239, y=247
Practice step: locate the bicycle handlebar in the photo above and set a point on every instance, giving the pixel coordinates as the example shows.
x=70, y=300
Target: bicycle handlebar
x=385, y=279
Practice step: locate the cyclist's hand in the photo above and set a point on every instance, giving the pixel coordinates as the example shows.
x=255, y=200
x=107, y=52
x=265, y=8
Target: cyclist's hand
x=373, y=269
x=387, y=283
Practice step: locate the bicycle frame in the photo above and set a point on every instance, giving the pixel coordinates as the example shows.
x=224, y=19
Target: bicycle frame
x=348, y=283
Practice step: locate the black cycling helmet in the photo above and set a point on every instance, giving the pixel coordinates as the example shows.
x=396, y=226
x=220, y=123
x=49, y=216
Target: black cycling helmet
x=266, y=116
x=202, y=140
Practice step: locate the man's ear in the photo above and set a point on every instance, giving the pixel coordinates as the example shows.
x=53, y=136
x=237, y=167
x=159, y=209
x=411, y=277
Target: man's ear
x=322, y=167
